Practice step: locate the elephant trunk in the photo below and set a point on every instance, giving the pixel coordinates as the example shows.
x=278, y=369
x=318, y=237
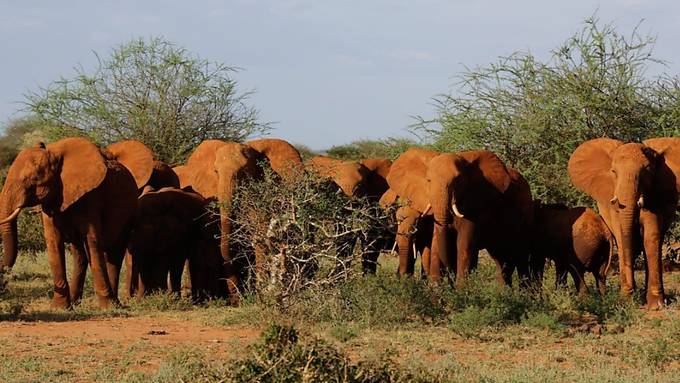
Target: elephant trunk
x=227, y=187
x=8, y=229
x=439, y=253
x=628, y=224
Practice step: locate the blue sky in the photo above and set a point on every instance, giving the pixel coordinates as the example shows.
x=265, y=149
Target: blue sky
x=326, y=72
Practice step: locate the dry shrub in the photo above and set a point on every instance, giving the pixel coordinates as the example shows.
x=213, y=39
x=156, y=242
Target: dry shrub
x=303, y=231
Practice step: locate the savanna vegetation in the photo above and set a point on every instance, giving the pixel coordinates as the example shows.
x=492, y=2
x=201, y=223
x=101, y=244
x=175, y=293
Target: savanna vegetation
x=319, y=323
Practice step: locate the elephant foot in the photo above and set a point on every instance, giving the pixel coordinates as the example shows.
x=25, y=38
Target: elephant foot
x=106, y=303
x=60, y=302
x=655, y=301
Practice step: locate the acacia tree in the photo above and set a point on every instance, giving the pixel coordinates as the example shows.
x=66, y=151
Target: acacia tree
x=534, y=113
x=152, y=91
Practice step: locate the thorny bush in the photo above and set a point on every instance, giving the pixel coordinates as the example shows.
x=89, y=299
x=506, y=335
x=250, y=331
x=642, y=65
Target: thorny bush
x=304, y=231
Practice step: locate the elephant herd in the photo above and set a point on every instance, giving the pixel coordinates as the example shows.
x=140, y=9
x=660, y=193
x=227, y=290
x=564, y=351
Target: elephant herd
x=117, y=204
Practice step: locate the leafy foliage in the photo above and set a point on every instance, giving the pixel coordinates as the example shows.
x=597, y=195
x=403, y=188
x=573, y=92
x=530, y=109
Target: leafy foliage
x=534, y=113
x=18, y=134
x=152, y=91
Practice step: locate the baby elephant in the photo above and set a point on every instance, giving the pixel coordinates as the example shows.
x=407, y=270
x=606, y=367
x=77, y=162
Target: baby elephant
x=173, y=226
x=577, y=240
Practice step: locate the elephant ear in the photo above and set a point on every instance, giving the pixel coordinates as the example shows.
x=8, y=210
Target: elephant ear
x=389, y=198
x=184, y=175
x=376, y=181
x=136, y=157
x=407, y=177
x=669, y=149
x=202, y=166
x=491, y=168
x=590, y=168
x=283, y=157
x=163, y=176
x=83, y=168
x=241, y=158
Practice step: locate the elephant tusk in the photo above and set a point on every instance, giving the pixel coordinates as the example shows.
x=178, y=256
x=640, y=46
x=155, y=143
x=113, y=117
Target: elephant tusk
x=427, y=209
x=641, y=201
x=614, y=200
x=11, y=217
x=456, y=211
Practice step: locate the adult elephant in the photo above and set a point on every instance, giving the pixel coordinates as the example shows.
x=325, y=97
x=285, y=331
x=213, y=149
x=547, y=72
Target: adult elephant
x=172, y=226
x=366, y=178
x=87, y=197
x=473, y=193
x=215, y=169
x=636, y=188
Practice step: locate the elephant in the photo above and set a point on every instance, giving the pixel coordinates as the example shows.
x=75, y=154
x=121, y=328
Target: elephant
x=87, y=196
x=577, y=240
x=635, y=186
x=365, y=178
x=470, y=194
x=172, y=226
x=349, y=176
x=163, y=176
x=215, y=169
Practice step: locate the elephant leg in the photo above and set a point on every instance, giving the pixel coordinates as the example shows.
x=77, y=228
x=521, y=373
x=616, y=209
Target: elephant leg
x=57, y=261
x=145, y=283
x=652, y=241
x=560, y=275
x=507, y=269
x=176, y=269
x=601, y=282
x=132, y=276
x=102, y=286
x=369, y=262
x=465, y=250
x=186, y=285
x=78, y=271
x=425, y=259
x=375, y=241
x=578, y=275
x=114, y=262
x=198, y=275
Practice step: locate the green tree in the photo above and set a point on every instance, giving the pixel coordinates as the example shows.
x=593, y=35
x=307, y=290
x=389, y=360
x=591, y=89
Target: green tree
x=534, y=113
x=152, y=91
x=18, y=134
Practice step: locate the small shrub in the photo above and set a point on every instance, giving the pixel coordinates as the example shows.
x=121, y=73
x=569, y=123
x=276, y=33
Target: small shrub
x=282, y=357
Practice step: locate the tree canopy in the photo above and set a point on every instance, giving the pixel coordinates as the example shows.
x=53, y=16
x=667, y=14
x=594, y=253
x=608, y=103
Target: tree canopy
x=534, y=113
x=152, y=91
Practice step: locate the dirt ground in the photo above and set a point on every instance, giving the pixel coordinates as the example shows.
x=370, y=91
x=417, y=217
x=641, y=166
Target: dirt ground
x=120, y=344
